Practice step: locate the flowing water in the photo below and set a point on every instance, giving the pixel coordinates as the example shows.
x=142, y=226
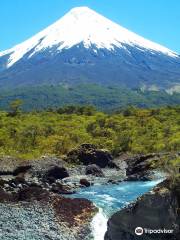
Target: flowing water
x=111, y=198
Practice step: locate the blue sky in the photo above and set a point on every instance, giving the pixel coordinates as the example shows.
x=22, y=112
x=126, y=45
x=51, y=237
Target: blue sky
x=157, y=20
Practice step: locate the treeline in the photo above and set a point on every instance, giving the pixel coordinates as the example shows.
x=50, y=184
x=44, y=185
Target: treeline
x=32, y=134
x=104, y=98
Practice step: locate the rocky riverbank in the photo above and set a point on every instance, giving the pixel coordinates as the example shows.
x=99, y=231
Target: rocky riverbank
x=32, y=203
x=82, y=167
x=157, y=210
x=37, y=214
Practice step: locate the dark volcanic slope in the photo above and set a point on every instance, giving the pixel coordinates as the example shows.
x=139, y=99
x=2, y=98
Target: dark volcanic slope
x=133, y=68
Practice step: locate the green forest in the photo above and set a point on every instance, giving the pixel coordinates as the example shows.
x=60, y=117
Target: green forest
x=55, y=132
x=105, y=98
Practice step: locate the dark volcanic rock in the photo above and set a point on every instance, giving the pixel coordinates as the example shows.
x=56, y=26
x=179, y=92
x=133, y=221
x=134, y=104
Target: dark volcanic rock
x=33, y=193
x=17, y=183
x=19, y=180
x=61, y=189
x=13, y=166
x=84, y=182
x=74, y=211
x=42, y=173
x=45, y=166
x=142, y=176
x=139, y=167
x=21, y=170
x=129, y=66
x=41, y=167
x=55, y=173
x=154, y=210
x=94, y=170
x=139, y=163
x=2, y=182
x=7, y=196
x=35, y=213
x=112, y=164
x=88, y=154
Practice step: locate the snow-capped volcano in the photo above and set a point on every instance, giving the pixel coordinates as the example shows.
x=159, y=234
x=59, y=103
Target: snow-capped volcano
x=82, y=25
x=85, y=39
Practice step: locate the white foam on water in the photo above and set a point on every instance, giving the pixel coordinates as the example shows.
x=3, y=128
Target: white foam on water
x=107, y=197
x=99, y=225
x=153, y=183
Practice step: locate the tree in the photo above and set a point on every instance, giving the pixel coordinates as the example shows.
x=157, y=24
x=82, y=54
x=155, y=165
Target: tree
x=15, y=107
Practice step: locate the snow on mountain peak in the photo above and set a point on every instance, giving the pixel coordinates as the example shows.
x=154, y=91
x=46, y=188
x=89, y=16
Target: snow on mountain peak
x=82, y=10
x=82, y=25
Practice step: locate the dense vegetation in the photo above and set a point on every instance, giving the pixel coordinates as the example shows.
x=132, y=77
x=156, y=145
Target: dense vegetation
x=103, y=97
x=134, y=130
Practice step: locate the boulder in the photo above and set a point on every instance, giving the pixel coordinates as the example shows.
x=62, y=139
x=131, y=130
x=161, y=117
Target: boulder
x=18, y=180
x=61, y=189
x=75, y=212
x=7, y=196
x=94, y=170
x=139, y=167
x=87, y=154
x=44, y=169
x=29, y=194
x=48, y=169
x=3, y=182
x=113, y=181
x=144, y=176
x=21, y=170
x=84, y=182
x=55, y=173
x=154, y=210
x=112, y=164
